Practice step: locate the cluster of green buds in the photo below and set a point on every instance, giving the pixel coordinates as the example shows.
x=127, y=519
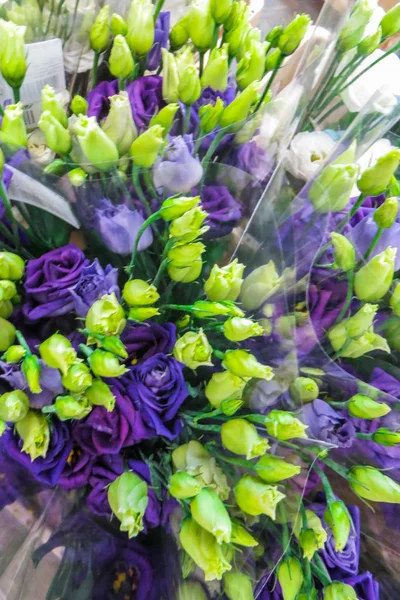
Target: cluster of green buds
x=12, y=269
x=140, y=297
x=54, y=123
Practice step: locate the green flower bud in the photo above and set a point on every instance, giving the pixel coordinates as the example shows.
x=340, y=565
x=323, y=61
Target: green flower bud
x=31, y=370
x=106, y=316
x=283, y=425
x=185, y=262
x=259, y=286
x=210, y=115
x=200, y=25
x=34, y=431
x=56, y=167
x=146, y=147
x=14, y=406
x=339, y=591
x=210, y=513
x=77, y=177
x=273, y=469
x=118, y=25
x=332, y=188
x=220, y=10
x=69, y=407
x=121, y=62
x=140, y=22
x=290, y=577
x=251, y=66
x=7, y=289
x=57, y=137
x=106, y=364
x=79, y=105
x=215, y=74
x=385, y=215
x=51, y=103
x=100, y=394
x=170, y=75
x=12, y=267
x=203, y=549
x=337, y=517
x=253, y=35
x=235, y=37
x=7, y=334
x=165, y=118
x=179, y=35
x=369, y=342
x=292, y=36
x=239, y=12
x=128, y=499
x=272, y=60
x=362, y=407
x=273, y=36
x=191, y=590
x=13, y=130
x=374, y=279
x=376, y=179
x=189, y=89
x=203, y=309
x=241, y=437
x=244, y=364
x=57, y=352
x=140, y=293
x=238, y=329
x=345, y=253
x=95, y=144
x=314, y=524
x=182, y=486
x=14, y=354
x=386, y=437
x=77, y=379
x=142, y=313
x=119, y=125
x=354, y=327
x=173, y=208
x=239, y=109
x=390, y=23
x=354, y=28
x=224, y=283
x=12, y=53
x=370, y=43
x=6, y=309
x=224, y=386
x=189, y=225
x=254, y=497
x=238, y=586
x=100, y=30
x=371, y=484
x=308, y=543
x=303, y=390
x=242, y=537
x=193, y=350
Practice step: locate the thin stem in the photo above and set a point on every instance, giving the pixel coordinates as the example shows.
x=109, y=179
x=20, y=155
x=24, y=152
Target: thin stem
x=138, y=188
x=143, y=228
x=16, y=93
x=201, y=63
x=351, y=213
x=86, y=351
x=321, y=571
x=164, y=261
x=149, y=182
x=325, y=482
x=349, y=296
x=269, y=84
x=374, y=242
x=94, y=69
x=158, y=8
x=22, y=342
x=208, y=156
x=1, y=111
x=215, y=36
x=330, y=111
x=188, y=110
x=10, y=216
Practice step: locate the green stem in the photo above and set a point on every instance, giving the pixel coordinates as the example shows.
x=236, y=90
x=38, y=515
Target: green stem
x=320, y=570
x=247, y=464
x=22, y=342
x=349, y=296
x=219, y=354
x=364, y=436
x=209, y=415
x=138, y=188
x=269, y=84
x=10, y=217
x=158, y=8
x=201, y=63
x=164, y=261
x=207, y=158
x=325, y=482
x=323, y=85
x=351, y=213
x=193, y=425
x=198, y=141
x=16, y=93
x=330, y=111
x=1, y=111
x=342, y=471
x=215, y=36
x=86, y=351
x=143, y=228
x=374, y=242
x=149, y=182
x=188, y=110
x=94, y=69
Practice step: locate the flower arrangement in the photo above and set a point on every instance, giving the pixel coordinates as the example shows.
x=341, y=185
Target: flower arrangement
x=202, y=409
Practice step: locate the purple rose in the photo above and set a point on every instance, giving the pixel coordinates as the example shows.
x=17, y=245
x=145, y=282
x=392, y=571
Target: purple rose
x=103, y=432
x=158, y=389
x=48, y=281
x=327, y=425
x=177, y=170
x=105, y=470
x=145, y=96
x=118, y=227
x=77, y=469
x=48, y=469
x=365, y=586
x=148, y=339
x=161, y=35
x=224, y=212
x=98, y=99
x=50, y=382
x=152, y=515
x=94, y=283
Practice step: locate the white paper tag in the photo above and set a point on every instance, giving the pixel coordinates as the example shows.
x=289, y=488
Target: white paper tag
x=45, y=65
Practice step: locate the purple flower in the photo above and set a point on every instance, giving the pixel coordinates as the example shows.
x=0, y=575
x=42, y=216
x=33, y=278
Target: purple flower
x=77, y=469
x=48, y=469
x=364, y=232
x=157, y=388
x=103, y=432
x=48, y=281
x=365, y=586
x=177, y=171
x=152, y=515
x=148, y=339
x=118, y=227
x=224, y=212
x=50, y=382
x=98, y=99
x=145, y=96
x=16, y=481
x=327, y=425
x=385, y=382
x=104, y=471
x=161, y=35
x=253, y=160
x=94, y=283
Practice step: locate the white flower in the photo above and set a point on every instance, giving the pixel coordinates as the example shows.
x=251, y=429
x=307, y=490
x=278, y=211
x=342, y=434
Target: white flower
x=306, y=153
x=379, y=85
x=369, y=158
x=39, y=152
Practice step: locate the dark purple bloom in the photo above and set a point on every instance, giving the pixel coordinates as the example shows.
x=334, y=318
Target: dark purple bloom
x=158, y=389
x=148, y=339
x=177, y=170
x=118, y=227
x=161, y=35
x=77, y=469
x=48, y=281
x=48, y=469
x=50, y=382
x=104, y=471
x=94, y=283
x=327, y=425
x=385, y=382
x=365, y=586
x=16, y=481
x=145, y=96
x=224, y=212
x=152, y=515
x=98, y=99
x=103, y=432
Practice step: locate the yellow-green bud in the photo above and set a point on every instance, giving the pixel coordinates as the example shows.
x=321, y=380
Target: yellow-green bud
x=142, y=313
x=241, y=437
x=13, y=130
x=369, y=44
x=173, y=208
x=395, y=301
x=273, y=36
x=239, y=12
x=238, y=329
x=362, y=407
x=12, y=53
x=140, y=22
x=146, y=147
x=118, y=25
x=51, y=103
x=200, y=25
x=385, y=215
x=371, y=484
x=210, y=513
x=121, y=62
x=97, y=147
x=272, y=60
x=179, y=35
x=290, y=577
x=106, y=364
x=345, y=253
x=182, y=486
x=128, y=499
x=7, y=334
x=58, y=138
x=79, y=105
x=31, y=370
x=304, y=389
x=238, y=586
x=7, y=289
x=220, y=10
x=14, y=406
x=77, y=379
x=308, y=542
x=119, y=124
x=390, y=23
x=189, y=226
x=185, y=262
x=100, y=394
x=210, y=115
x=374, y=279
x=251, y=66
x=14, y=354
x=100, y=30
x=283, y=425
x=236, y=35
x=242, y=537
x=337, y=517
x=386, y=437
x=224, y=386
x=273, y=469
x=239, y=109
x=244, y=364
x=12, y=267
x=189, y=89
x=165, y=118
x=314, y=524
x=193, y=350
x=170, y=76
x=292, y=36
x=332, y=188
x=191, y=590
x=215, y=74
x=113, y=344
x=203, y=309
x=224, y=283
x=259, y=285
x=57, y=352
x=354, y=28
x=106, y=316
x=34, y=431
x=77, y=177
x=6, y=309
x=69, y=407
x=339, y=591
x=376, y=179
x=254, y=497
x=353, y=327
x=140, y=293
